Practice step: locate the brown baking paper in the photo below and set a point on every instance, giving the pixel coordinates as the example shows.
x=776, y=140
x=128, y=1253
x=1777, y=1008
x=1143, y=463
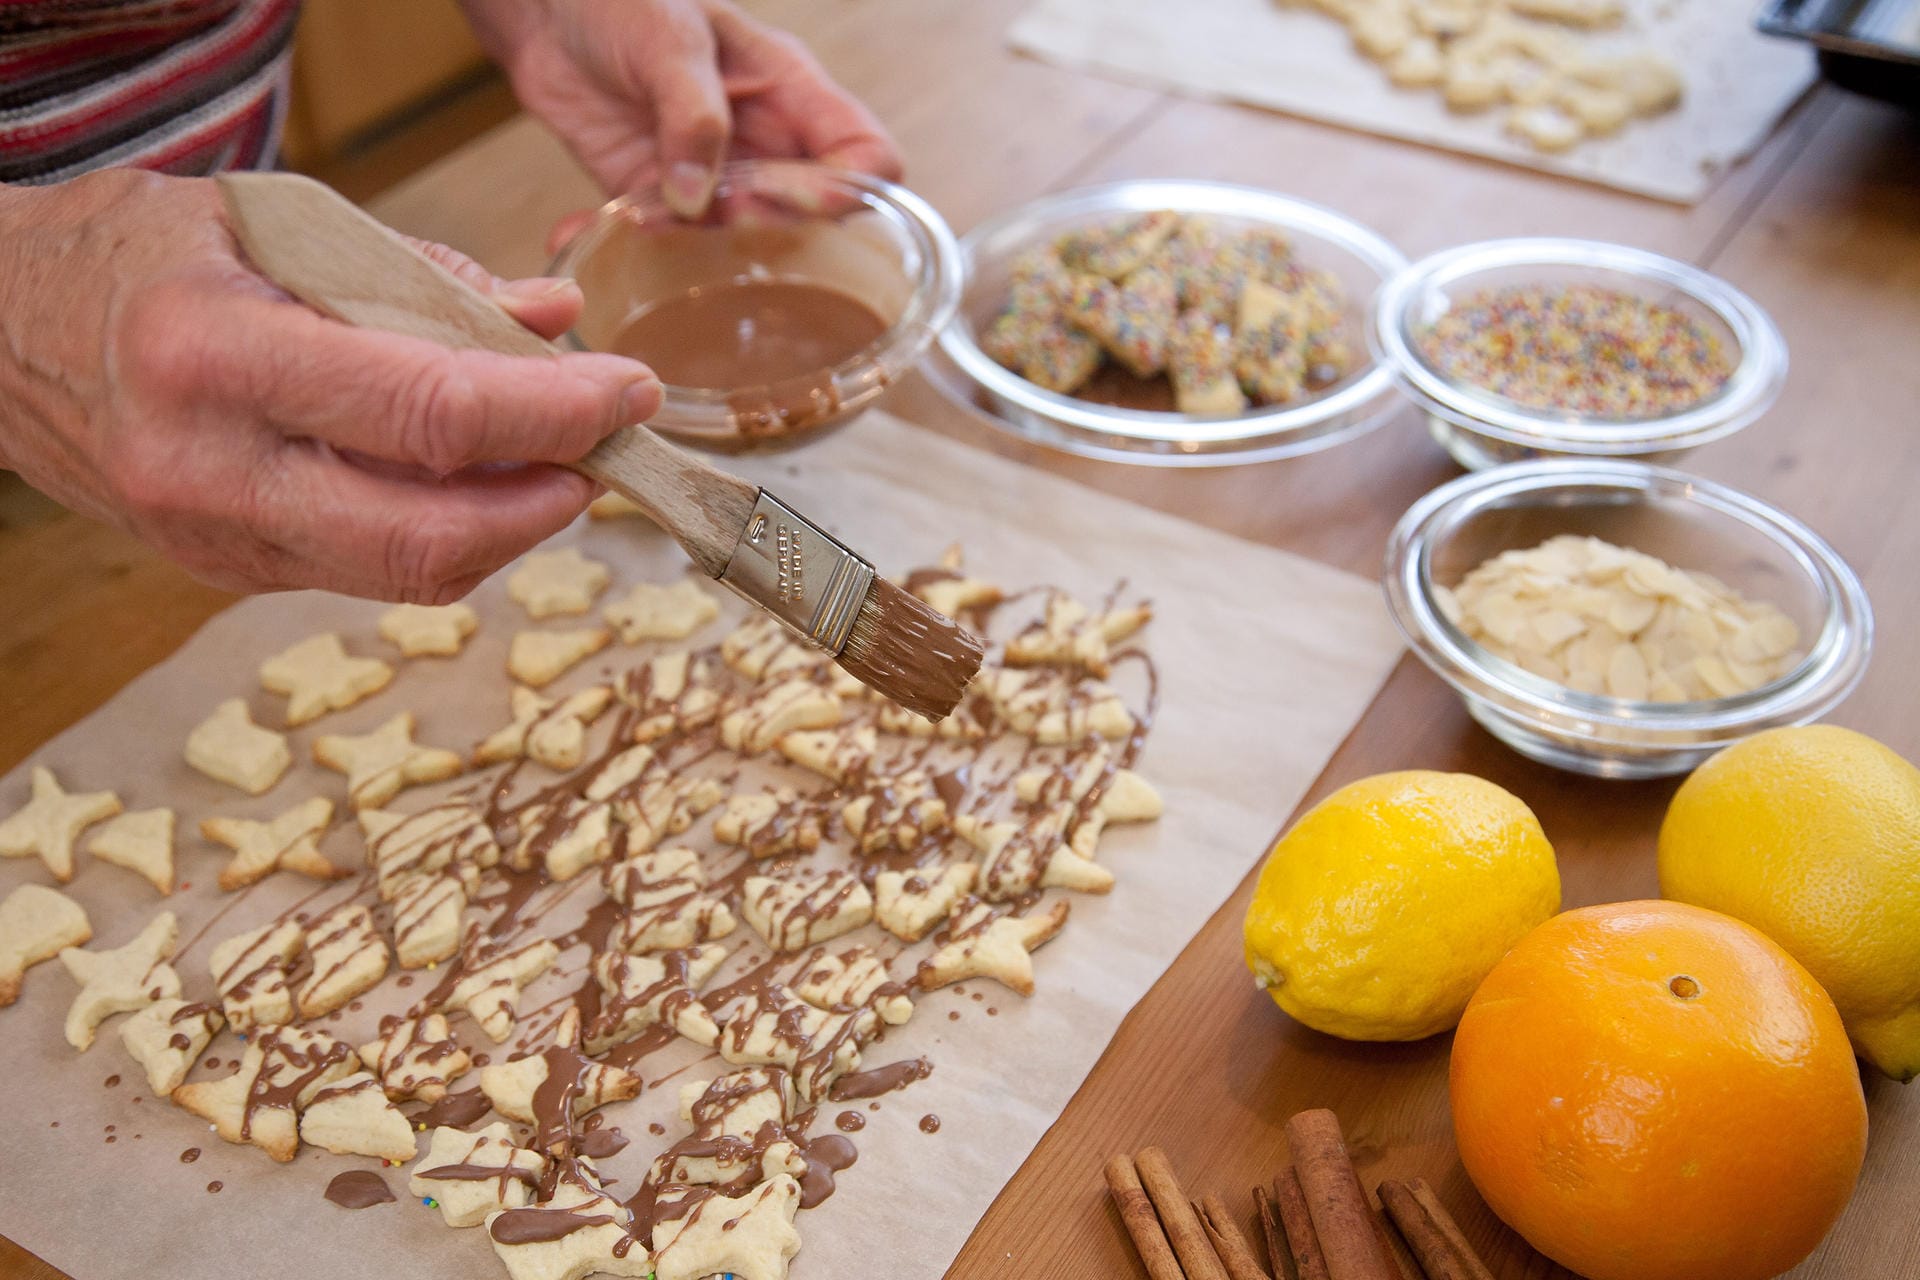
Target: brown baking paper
x=1266, y=660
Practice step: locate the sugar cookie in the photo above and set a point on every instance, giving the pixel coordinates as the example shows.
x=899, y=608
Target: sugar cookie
x=229, y=747
x=469, y=1175
x=166, y=1038
x=290, y=841
x=141, y=842
x=539, y=658
x=980, y=943
x=421, y=630
x=123, y=980
x=36, y=924
x=318, y=675
x=554, y=583
x=352, y=1117
x=380, y=764
x=652, y=612
x=47, y=825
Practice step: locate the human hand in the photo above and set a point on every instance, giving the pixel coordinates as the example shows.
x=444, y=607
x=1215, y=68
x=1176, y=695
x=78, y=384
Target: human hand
x=647, y=91
x=149, y=378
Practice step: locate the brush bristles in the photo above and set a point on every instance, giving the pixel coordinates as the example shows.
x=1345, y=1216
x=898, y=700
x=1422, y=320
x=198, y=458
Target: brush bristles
x=901, y=647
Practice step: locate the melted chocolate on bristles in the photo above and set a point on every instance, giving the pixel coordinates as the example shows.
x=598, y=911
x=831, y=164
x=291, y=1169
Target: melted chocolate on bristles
x=918, y=657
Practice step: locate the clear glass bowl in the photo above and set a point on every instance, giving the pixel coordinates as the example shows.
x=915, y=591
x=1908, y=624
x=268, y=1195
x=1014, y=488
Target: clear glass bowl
x=1481, y=428
x=1690, y=523
x=1323, y=239
x=773, y=220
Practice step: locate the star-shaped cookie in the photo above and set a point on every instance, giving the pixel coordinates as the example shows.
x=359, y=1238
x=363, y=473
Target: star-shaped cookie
x=553, y=583
x=290, y=841
x=549, y=731
x=47, y=825
x=416, y=1057
x=444, y=1174
x=380, y=764
x=123, y=980
x=490, y=990
x=539, y=658
x=750, y=1236
x=318, y=675
x=422, y=630
x=652, y=612
x=982, y=944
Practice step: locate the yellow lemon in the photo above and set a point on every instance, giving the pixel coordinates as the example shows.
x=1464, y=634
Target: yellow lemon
x=1378, y=914
x=1812, y=836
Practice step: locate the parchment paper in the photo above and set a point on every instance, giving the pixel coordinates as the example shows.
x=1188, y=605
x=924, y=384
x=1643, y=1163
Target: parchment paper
x=1738, y=82
x=1266, y=661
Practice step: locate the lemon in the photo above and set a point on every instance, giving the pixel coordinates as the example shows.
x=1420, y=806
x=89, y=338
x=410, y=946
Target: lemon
x=1378, y=914
x=1812, y=836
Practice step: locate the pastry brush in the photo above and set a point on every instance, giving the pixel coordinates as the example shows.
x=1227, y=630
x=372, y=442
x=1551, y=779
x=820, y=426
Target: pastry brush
x=311, y=242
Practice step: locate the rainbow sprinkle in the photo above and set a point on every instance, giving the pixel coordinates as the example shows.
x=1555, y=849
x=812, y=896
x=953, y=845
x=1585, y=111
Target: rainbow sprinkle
x=1594, y=351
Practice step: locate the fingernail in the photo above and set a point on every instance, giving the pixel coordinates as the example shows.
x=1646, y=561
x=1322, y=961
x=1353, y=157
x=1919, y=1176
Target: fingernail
x=687, y=188
x=639, y=401
x=538, y=288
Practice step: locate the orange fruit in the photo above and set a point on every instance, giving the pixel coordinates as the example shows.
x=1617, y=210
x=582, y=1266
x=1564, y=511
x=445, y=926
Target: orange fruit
x=1654, y=1091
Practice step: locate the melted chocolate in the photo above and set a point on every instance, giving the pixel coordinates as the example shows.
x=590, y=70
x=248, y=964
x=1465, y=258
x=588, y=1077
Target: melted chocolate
x=359, y=1189
x=929, y=1124
x=456, y=1110
x=542, y=1226
x=748, y=333
x=849, y=1122
x=879, y=1080
x=189, y=1155
x=601, y=1143
x=825, y=1155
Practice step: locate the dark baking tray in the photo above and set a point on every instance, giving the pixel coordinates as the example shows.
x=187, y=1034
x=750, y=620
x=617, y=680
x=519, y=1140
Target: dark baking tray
x=1869, y=46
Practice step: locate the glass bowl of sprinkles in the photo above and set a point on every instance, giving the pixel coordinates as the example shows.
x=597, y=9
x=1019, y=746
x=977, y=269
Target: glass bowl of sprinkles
x=1620, y=619
x=1541, y=348
x=1141, y=284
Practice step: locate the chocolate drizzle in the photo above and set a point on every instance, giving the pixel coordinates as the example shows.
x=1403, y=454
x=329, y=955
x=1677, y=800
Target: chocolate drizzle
x=359, y=1189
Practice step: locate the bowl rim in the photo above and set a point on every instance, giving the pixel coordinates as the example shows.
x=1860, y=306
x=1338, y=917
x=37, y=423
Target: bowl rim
x=931, y=305
x=1173, y=430
x=1835, y=662
x=1749, y=391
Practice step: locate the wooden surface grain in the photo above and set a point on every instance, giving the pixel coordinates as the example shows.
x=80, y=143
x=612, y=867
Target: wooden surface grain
x=1822, y=226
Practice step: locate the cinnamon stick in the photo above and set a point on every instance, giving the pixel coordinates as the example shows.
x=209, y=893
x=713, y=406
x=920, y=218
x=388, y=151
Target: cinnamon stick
x=1228, y=1242
x=1343, y=1220
x=1275, y=1236
x=1430, y=1232
x=1189, y=1238
x=1290, y=1204
x=1137, y=1216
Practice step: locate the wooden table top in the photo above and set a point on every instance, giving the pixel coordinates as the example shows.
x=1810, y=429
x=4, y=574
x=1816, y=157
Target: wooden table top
x=1822, y=227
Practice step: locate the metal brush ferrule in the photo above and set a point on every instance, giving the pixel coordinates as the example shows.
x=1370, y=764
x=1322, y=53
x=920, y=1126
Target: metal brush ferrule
x=799, y=573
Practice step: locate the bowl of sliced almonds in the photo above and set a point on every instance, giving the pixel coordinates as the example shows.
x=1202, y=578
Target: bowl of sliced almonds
x=1621, y=619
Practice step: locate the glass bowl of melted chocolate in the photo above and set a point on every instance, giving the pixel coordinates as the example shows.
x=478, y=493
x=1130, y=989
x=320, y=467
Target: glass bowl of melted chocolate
x=791, y=306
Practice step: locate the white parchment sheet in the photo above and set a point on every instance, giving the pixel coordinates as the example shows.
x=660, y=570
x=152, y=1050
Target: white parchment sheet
x=1266, y=661
x=1295, y=59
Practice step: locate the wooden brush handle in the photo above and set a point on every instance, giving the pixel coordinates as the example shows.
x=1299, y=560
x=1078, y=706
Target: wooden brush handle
x=311, y=242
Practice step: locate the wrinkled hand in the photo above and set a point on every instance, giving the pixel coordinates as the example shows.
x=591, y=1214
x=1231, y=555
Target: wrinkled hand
x=647, y=91
x=149, y=378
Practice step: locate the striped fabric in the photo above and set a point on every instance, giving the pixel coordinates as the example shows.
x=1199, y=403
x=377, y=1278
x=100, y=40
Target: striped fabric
x=187, y=87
